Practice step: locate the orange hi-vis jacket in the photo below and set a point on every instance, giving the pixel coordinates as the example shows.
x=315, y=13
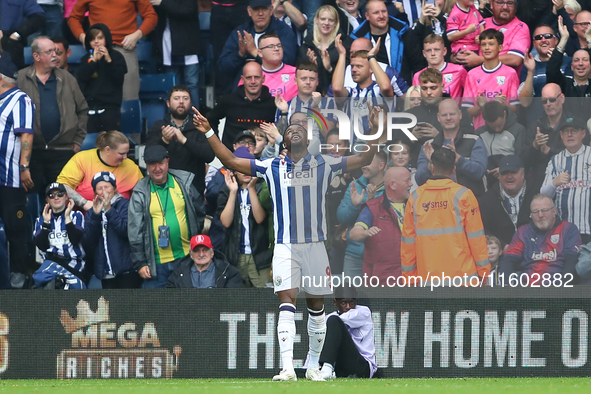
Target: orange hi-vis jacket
x=443, y=235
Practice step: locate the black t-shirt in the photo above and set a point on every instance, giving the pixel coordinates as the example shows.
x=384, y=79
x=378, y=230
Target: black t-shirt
x=382, y=55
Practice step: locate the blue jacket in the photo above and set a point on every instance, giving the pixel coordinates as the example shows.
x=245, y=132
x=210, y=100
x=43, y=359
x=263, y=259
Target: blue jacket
x=114, y=257
x=15, y=12
x=230, y=63
x=405, y=49
x=347, y=214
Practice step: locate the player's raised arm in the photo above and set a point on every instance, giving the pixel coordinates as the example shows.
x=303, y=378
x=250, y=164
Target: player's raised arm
x=364, y=158
x=226, y=157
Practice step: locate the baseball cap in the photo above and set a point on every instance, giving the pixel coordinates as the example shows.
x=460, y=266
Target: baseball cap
x=55, y=186
x=575, y=123
x=259, y=3
x=105, y=176
x=243, y=153
x=7, y=66
x=155, y=153
x=201, y=240
x=245, y=134
x=510, y=163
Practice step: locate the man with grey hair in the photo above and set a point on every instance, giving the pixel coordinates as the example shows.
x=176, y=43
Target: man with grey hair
x=16, y=129
x=545, y=249
x=62, y=112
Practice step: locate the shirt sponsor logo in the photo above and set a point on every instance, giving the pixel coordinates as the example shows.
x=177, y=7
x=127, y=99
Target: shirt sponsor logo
x=546, y=256
x=298, y=178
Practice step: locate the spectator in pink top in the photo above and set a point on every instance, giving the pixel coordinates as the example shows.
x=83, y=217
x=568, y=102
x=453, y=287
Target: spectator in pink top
x=279, y=77
x=517, y=39
x=454, y=75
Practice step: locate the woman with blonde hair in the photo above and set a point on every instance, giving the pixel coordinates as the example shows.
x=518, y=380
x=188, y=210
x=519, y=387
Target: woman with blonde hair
x=319, y=47
x=413, y=97
x=110, y=155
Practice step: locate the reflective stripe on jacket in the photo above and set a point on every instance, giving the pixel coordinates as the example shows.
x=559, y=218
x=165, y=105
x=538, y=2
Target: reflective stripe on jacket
x=443, y=234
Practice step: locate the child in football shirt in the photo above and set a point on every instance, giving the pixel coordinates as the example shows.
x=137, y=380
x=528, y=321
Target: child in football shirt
x=464, y=25
x=492, y=80
x=454, y=75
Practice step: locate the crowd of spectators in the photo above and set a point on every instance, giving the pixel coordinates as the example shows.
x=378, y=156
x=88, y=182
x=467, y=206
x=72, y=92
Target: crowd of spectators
x=503, y=84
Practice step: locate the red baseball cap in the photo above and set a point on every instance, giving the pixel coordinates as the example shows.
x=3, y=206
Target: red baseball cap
x=201, y=240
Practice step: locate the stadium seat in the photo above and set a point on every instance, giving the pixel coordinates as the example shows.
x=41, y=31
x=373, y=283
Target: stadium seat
x=89, y=141
x=144, y=56
x=28, y=56
x=131, y=119
x=78, y=52
x=153, y=95
x=34, y=207
x=156, y=86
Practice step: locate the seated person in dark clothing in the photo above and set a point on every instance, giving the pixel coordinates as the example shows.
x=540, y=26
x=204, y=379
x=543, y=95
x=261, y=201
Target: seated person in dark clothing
x=349, y=349
x=100, y=76
x=58, y=233
x=204, y=268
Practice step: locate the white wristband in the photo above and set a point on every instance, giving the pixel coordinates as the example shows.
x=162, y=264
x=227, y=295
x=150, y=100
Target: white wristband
x=209, y=133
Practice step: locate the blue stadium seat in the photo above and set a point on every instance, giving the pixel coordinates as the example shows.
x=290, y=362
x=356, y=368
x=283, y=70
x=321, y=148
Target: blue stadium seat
x=89, y=141
x=131, y=118
x=156, y=86
x=153, y=95
x=78, y=52
x=28, y=56
x=144, y=56
x=34, y=207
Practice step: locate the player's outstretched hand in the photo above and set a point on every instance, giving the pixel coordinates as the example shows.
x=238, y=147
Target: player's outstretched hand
x=200, y=122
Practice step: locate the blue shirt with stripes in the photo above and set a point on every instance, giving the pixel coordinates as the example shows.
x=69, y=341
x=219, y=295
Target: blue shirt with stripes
x=16, y=117
x=298, y=191
x=59, y=243
x=356, y=107
x=573, y=198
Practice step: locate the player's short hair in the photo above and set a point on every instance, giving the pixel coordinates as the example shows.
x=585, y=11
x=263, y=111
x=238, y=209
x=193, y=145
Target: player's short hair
x=443, y=159
x=178, y=88
x=432, y=39
x=493, y=110
x=345, y=291
x=431, y=75
x=267, y=35
x=492, y=33
x=361, y=54
x=307, y=65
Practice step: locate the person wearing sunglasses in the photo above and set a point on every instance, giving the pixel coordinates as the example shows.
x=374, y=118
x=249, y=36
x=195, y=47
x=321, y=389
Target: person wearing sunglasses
x=533, y=74
x=543, y=252
x=58, y=235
